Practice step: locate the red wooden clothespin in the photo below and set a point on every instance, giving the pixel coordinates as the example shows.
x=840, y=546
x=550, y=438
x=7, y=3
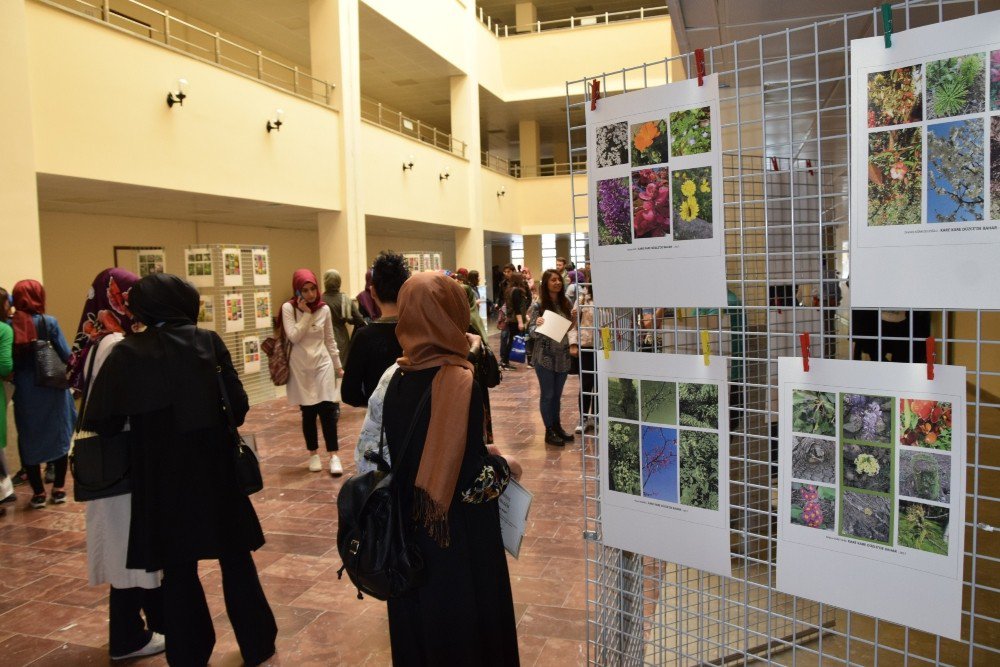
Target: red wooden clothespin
x=699, y=63
x=809, y=166
x=930, y=358
x=774, y=164
x=804, y=342
x=595, y=93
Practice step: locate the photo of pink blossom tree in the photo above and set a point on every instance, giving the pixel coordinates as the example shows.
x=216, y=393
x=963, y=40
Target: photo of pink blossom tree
x=659, y=463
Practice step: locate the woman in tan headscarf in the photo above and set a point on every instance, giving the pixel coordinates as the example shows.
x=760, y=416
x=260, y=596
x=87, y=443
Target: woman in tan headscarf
x=449, y=481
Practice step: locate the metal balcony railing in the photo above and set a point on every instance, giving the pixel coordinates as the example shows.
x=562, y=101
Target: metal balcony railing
x=501, y=29
x=160, y=27
x=377, y=113
x=517, y=170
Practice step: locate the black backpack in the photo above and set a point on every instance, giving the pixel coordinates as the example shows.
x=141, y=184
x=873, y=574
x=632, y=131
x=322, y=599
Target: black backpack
x=374, y=540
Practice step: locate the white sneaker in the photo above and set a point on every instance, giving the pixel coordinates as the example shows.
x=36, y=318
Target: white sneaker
x=336, y=469
x=314, y=463
x=591, y=424
x=156, y=644
x=579, y=428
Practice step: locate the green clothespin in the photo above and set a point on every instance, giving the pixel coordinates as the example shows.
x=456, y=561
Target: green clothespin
x=887, y=23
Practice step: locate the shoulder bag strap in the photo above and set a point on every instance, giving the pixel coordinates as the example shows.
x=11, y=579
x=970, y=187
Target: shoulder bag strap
x=44, y=333
x=92, y=356
x=409, y=431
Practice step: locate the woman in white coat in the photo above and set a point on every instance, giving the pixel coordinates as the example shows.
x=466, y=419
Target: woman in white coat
x=314, y=365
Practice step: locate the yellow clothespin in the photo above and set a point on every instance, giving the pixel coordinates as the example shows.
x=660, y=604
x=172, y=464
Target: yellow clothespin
x=606, y=341
x=705, y=349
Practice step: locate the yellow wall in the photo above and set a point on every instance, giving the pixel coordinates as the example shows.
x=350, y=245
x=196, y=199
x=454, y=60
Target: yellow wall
x=417, y=194
x=76, y=247
x=500, y=214
x=98, y=99
x=545, y=205
x=435, y=23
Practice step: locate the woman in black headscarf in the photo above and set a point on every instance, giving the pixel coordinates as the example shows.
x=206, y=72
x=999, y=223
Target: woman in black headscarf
x=187, y=504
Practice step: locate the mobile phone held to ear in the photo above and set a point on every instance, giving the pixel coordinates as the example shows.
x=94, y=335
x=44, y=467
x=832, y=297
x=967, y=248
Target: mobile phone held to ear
x=298, y=294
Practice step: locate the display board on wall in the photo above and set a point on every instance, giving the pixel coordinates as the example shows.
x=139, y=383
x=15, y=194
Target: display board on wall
x=925, y=128
x=423, y=261
x=151, y=261
x=232, y=267
x=251, y=354
x=654, y=173
x=198, y=264
x=871, y=489
x=664, y=457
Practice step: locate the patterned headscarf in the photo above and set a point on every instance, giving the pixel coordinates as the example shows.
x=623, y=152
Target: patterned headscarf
x=105, y=312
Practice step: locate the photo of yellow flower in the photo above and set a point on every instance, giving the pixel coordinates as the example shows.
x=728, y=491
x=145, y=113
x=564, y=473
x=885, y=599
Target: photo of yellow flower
x=692, y=190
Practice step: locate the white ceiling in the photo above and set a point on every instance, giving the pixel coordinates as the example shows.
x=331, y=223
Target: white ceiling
x=81, y=195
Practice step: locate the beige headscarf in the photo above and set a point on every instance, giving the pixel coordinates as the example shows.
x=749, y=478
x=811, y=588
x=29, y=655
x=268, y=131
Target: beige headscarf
x=433, y=319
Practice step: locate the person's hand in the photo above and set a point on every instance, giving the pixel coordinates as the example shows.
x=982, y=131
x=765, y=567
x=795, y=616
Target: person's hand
x=515, y=466
x=475, y=343
x=572, y=313
x=574, y=350
x=540, y=321
x=340, y=372
x=301, y=304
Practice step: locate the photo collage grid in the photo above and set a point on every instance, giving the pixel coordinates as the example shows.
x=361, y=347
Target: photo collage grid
x=655, y=200
x=199, y=263
x=663, y=440
x=928, y=128
x=872, y=467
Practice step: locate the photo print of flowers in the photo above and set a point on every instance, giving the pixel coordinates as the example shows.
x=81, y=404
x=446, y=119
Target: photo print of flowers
x=651, y=203
x=894, y=96
x=699, y=472
x=614, y=212
x=995, y=81
x=995, y=167
x=867, y=467
x=923, y=527
x=867, y=418
x=956, y=86
x=691, y=131
x=895, y=161
x=814, y=412
x=814, y=506
x=650, y=143
x=866, y=515
x=925, y=475
x=623, y=458
x=612, y=144
x=692, y=203
x=925, y=424
x=659, y=463
x=956, y=182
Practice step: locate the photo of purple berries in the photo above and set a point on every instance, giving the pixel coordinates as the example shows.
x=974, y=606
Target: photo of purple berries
x=614, y=212
x=867, y=418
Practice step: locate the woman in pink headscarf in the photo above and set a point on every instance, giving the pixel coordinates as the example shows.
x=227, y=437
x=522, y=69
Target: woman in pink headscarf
x=314, y=365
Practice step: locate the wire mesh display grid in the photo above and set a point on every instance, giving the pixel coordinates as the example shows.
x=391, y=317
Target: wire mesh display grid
x=785, y=107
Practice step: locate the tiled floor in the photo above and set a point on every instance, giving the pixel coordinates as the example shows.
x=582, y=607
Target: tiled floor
x=49, y=616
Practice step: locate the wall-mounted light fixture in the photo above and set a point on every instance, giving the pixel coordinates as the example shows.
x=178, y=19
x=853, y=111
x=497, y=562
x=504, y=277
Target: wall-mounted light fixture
x=501, y=192
x=408, y=163
x=444, y=175
x=276, y=123
x=179, y=96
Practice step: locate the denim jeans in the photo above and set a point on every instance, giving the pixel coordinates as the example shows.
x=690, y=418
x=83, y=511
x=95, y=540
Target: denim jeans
x=506, y=342
x=551, y=385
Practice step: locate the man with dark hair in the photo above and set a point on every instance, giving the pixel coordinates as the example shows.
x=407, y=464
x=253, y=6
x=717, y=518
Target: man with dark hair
x=561, y=268
x=375, y=347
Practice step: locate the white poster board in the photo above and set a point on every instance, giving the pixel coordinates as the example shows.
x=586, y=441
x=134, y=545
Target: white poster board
x=151, y=261
x=261, y=267
x=232, y=273
x=198, y=264
x=515, y=502
x=924, y=200
x=206, y=311
x=233, y=308
x=251, y=354
x=262, y=310
x=654, y=174
x=664, y=457
x=871, y=489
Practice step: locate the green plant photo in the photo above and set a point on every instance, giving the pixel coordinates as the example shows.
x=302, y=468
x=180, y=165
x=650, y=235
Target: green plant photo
x=814, y=412
x=956, y=86
x=691, y=131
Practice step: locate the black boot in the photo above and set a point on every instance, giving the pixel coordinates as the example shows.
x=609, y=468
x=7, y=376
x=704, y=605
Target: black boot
x=552, y=438
x=568, y=437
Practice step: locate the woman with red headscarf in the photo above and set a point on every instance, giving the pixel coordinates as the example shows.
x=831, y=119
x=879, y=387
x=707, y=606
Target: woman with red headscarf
x=314, y=366
x=44, y=416
x=449, y=481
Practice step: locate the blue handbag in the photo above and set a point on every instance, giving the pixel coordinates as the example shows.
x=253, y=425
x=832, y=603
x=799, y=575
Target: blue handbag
x=517, y=350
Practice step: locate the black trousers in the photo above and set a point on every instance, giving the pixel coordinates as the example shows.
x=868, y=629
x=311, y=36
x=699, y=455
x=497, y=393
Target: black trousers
x=328, y=413
x=35, y=475
x=127, y=630
x=588, y=368
x=188, y=622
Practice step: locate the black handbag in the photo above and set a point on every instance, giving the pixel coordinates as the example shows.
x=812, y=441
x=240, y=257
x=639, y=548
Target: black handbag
x=245, y=457
x=374, y=539
x=50, y=370
x=488, y=369
x=99, y=465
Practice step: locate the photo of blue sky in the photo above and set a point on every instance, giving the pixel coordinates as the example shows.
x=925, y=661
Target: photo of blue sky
x=956, y=181
x=659, y=463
